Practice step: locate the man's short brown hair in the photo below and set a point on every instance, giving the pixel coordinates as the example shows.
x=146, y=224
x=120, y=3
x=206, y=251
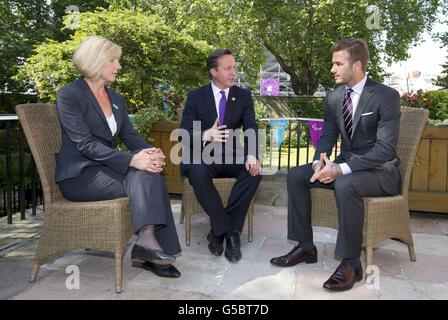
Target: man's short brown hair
x=356, y=48
x=213, y=57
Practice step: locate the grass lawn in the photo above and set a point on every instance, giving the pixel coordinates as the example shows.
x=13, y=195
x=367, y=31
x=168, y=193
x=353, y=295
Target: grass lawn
x=303, y=159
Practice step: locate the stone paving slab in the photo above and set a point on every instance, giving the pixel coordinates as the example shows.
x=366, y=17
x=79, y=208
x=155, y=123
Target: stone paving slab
x=208, y=277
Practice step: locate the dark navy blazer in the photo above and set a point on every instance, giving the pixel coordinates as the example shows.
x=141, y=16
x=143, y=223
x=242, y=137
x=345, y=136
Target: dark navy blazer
x=200, y=106
x=86, y=137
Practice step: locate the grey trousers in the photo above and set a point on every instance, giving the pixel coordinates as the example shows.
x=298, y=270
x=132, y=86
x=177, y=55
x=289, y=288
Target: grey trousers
x=349, y=191
x=147, y=193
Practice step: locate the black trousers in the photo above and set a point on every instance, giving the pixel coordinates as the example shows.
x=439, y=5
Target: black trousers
x=147, y=193
x=232, y=217
x=349, y=191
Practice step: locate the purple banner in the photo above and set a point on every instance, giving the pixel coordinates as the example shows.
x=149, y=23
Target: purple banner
x=315, y=128
x=269, y=87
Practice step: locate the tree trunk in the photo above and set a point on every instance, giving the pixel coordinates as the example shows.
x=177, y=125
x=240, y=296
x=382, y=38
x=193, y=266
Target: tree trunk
x=304, y=85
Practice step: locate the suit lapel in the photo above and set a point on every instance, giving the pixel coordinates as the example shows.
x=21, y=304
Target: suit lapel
x=115, y=109
x=363, y=102
x=231, y=104
x=339, y=100
x=91, y=97
x=210, y=102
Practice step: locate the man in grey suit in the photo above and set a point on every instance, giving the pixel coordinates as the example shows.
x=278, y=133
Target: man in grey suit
x=366, y=116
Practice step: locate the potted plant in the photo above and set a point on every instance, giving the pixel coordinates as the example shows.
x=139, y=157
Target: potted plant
x=429, y=182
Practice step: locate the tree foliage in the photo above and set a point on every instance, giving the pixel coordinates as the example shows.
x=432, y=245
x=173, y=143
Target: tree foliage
x=153, y=54
x=220, y=23
x=442, y=79
x=25, y=24
x=300, y=33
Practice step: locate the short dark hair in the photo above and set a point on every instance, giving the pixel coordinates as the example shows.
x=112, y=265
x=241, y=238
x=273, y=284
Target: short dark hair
x=212, y=59
x=356, y=48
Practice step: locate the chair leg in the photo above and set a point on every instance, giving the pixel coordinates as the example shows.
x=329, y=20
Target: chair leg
x=369, y=256
x=182, y=214
x=187, y=228
x=411, y=249
x=118, y=271
x=34, y=271
x=250, y=227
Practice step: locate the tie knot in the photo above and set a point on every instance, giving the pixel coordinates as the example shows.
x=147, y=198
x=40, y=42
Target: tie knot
x=349, y=91
x=223, y=93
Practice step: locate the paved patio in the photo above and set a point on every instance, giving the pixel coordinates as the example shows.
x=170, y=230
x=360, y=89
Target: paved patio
x=208, y=277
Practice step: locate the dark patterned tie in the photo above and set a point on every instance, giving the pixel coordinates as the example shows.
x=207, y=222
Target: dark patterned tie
x=222, y=107
x=347, y=111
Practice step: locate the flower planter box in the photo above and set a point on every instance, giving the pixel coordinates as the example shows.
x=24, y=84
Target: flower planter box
x=160, y=137
x=429, y=180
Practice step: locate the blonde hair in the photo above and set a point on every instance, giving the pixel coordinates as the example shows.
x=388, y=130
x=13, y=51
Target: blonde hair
x=92, y=54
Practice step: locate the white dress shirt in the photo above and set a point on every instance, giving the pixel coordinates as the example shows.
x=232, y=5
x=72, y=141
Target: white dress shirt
x=112, y=124
x=217, y=95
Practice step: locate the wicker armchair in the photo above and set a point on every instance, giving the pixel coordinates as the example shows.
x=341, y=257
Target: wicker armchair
x=100, y=225
x=190, y=205
x=384, y=217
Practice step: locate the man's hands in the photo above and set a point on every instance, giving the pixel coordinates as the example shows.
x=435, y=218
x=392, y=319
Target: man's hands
x=216, y=133
x=151, y=160
x=252, y=165
x=219, y=134
x=326, y=170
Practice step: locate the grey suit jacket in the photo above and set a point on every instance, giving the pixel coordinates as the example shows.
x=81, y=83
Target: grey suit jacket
x=86, y=137
x=376, y=125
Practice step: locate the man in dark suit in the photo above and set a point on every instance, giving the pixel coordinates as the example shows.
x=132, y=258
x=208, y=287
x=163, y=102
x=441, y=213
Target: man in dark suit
x=366, y=116
x=210, y=113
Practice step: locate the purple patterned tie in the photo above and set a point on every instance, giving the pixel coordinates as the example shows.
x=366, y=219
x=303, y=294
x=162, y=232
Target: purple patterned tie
x=347, y=111
x=222, y=107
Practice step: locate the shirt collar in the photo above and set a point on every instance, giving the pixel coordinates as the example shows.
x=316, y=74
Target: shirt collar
x=217, y=91
x=359, y=86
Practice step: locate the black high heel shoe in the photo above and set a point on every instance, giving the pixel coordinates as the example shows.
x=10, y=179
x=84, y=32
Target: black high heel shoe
x=141, y=254
x=166, y=271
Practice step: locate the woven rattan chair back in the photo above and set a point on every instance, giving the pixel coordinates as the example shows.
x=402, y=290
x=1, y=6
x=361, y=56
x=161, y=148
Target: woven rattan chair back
x=42, y=130
x=412, y=123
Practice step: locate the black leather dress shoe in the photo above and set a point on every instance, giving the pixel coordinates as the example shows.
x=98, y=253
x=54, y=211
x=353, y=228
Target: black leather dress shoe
x=233, y=251
x=295, y=256
x=166, y=271
x=215, y=244
x=343, y=278
x=142, y=254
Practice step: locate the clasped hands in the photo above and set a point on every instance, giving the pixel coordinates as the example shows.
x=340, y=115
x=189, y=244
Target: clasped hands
x=219, y=134
x=151, y=160
x=325, y=171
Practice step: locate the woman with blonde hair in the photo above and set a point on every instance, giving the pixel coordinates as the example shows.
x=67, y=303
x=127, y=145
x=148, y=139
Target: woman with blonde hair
x=89, y=167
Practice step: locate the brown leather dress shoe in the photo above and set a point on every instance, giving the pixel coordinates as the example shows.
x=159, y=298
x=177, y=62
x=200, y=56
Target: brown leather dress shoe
x=343, y=278
x=295, y=256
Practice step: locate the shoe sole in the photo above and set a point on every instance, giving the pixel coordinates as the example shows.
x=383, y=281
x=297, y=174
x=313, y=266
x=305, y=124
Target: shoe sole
x=163, y=262
x=232, y=261
x=142, y=266
x=307, y=261
x=310, y=261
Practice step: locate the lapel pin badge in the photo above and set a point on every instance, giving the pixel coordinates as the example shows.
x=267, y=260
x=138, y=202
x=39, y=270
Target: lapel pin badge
x=113, y=104
x=233, y=99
